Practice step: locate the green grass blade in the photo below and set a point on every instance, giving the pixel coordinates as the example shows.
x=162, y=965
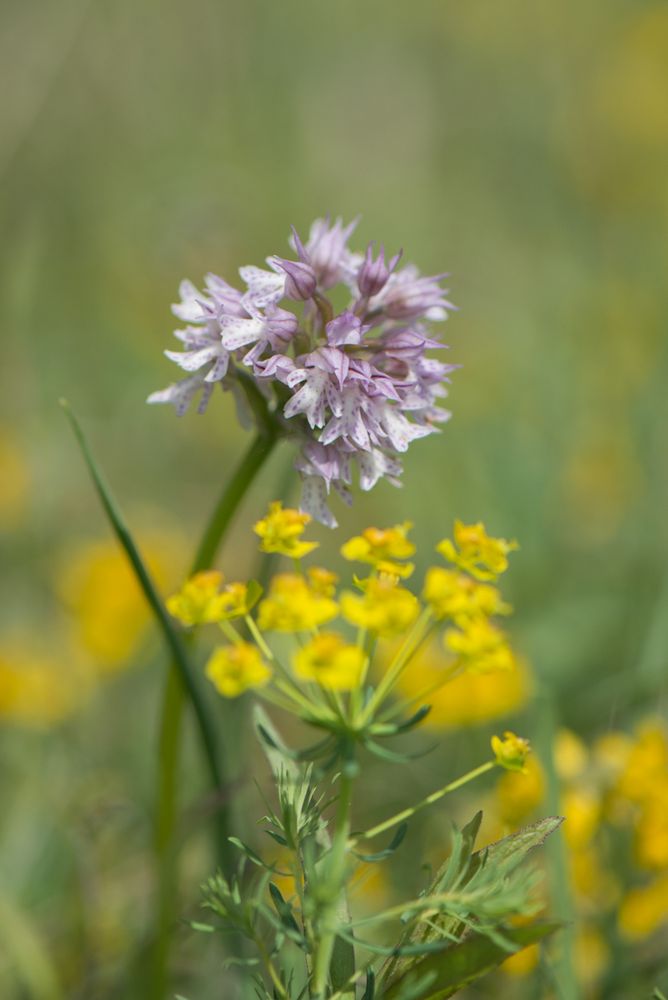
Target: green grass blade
x=171, y=634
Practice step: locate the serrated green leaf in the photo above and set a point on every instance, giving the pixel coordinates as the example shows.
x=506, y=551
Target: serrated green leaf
x=463, y=963
x=512, y=849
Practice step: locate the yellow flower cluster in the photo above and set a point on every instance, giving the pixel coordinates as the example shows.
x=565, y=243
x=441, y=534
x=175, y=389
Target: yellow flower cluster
x=475, y=552
x=382, y=549
x=294, y=605
x=384, y=607
x=477, y=644
x=281, y=530
x=330, y=661
x=201, y=602
x=613, y=794
x=511, y=751
x=236, y=668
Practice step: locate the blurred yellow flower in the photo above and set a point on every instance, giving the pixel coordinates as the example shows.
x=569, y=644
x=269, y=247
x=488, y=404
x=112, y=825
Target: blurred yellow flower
x=110, y=612
x=14, y=481
x=292, y=606
x=235, y=669
x=384, y=607
x=570, y=755
x=523, y=962
x=582, y=809
x=644, y=910
x=328, y=660
x=475, y=552
x=36, y=691
x=519, y=795
x=281, y=530
x=479, y=646
x=651, y=834
x=467, y=698
x=322, y=581
x=381, y=548
x=592, y=954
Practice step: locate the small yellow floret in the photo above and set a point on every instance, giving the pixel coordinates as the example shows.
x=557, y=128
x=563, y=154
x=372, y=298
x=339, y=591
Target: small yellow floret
x=381, y=548
x=480, y=646
x=200, y=601
x=511, y=752
x=235, y=669
x=281, y=530
x=330, y=661
x=384, y=608
x=292, y=606
x=455, y=595
x=475, y=552
x=322, y=581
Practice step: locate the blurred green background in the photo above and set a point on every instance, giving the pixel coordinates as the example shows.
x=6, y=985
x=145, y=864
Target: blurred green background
x=523, y=147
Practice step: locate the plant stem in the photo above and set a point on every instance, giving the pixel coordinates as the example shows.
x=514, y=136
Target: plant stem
x=560, y=879
x=171, y=724
x=335, y=875
x=428, y=801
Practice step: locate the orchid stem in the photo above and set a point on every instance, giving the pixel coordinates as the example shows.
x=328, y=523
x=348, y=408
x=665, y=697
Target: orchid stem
x=171, y=725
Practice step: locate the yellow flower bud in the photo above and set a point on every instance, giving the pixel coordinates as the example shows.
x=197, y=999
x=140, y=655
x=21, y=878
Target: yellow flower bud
x=330, y=661
x=235, y=669
x=281, y=530
x=511, y=752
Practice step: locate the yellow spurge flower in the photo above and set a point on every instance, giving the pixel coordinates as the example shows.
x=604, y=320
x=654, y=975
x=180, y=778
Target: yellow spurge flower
x=384, y=608
x=381, y=548
x=480, y=646
x=644, y=910
x=455, y=595
x=235, y=669
x=475, y=552
x=293, y=606
x=328, y=660
x=200, y=601
x=511, y=751
x=281, y=530
x=322, y=581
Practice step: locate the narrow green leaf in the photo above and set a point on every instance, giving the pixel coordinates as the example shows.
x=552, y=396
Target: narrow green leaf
x=396, y=842
x=462, y=964
x=166, y=624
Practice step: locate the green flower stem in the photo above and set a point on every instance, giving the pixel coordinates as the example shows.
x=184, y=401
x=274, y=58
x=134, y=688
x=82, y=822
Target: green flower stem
x=336, y=869
x=407, y=649
x=428, y=801
x=177, y=690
